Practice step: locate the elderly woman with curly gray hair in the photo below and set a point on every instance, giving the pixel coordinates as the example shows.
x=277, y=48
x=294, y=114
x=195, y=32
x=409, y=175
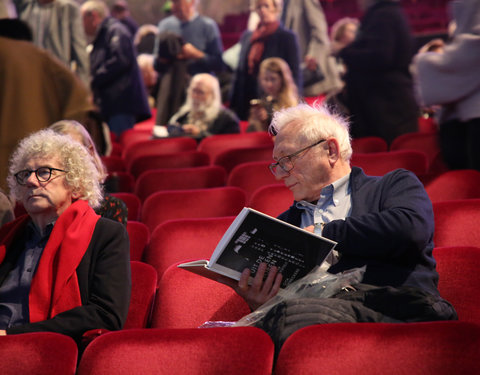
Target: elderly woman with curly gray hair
x=63, y=268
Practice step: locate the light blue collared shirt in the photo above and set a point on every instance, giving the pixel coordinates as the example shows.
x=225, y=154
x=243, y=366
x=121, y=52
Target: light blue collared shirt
x=335, y=202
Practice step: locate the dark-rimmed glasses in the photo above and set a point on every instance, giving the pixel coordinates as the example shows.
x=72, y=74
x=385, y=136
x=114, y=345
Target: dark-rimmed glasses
x=286, y=163
x=43, y=174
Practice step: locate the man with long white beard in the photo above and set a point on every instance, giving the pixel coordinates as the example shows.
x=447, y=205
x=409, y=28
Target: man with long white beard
x=203, y=113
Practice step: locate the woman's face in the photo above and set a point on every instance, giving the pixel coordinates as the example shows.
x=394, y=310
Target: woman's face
x=266, y=11
x=270, y=82
x=349, y=33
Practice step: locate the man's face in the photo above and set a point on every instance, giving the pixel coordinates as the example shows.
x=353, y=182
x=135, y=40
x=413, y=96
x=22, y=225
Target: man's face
x=48, y=198
x=311, y=171
x=201, y=95
x=182, y=9
x=90, y=23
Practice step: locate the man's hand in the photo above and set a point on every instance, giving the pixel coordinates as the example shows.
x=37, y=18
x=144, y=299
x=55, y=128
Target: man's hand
x=191, y=129
x=189, y=51
x=310, y=62
x=260, y=291
x=3, y=332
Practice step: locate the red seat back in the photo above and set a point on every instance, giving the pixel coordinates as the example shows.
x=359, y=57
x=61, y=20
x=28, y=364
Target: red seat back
x=432, y=348
x=457, y=184
x=369, y=144
x=144, y=284
x=458, y=279
x=158, y=147
x=156, y=180
x=272, y=199
x=39, y=353
x=380, y=163
x=183, y=159
x=187, y=300
x=139, y=236
x=214, y=351
x=183, y=239
x=456, y=223
x=212, y=202
x=218, y=143
x=251, y=176
x=229, y=159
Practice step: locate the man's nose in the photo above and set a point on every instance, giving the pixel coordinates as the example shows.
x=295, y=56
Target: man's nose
x=32, y=180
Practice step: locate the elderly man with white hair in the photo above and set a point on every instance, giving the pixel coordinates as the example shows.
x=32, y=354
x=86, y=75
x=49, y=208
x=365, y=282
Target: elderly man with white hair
x=203, y=113
x=63, y=268
x=384, y=224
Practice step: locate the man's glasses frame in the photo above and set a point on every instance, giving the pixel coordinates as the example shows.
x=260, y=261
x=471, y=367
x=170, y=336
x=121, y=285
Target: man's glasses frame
x=43, y=174
x=286, y=163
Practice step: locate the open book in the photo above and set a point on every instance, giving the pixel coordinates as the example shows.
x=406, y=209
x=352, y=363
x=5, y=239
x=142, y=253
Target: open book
x=255, y=237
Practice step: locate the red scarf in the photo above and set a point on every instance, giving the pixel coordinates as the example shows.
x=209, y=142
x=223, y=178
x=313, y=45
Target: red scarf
x=257, y=43
x=54, y=286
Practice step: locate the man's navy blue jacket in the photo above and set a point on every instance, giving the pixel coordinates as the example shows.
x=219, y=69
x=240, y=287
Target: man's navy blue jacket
x=390, y=230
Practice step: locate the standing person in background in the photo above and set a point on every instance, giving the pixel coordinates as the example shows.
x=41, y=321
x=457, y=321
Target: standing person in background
x=306, y=19
x=379, y=87
x=186, y=44
x=57, y=27
x=343, y=32
x=36, y=89
x=117, y=83
x=278, y=91
x=449, y=76
x=269, y=39
x=121, y=12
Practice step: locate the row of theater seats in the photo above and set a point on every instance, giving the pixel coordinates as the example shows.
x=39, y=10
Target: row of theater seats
x=346, y=348
x=185, y=300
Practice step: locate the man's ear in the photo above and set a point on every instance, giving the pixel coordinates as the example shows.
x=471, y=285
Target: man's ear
x=333, y=150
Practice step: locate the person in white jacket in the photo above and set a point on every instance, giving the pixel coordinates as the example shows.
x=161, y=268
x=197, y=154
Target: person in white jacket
x=450, y=78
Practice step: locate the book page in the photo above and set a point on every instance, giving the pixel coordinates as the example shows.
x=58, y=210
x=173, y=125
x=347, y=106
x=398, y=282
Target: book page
x=261, y=238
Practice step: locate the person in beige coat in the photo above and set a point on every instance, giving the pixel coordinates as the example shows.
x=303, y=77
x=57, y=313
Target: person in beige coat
x=35, y=91
x=57, y=27
x=307, y=20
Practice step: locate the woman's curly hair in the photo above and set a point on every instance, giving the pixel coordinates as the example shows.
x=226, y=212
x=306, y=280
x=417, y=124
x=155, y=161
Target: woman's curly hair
x=82, y=177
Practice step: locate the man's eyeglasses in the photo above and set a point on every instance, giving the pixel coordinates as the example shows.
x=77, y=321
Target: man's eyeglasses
x=286, y=163
x=43, y=174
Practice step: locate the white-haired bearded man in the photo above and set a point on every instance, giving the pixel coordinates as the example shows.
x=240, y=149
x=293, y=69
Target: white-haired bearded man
x=202, y=114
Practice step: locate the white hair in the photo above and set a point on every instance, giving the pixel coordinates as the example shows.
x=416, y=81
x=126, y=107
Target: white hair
x=318, y=121
x=82, y=176
x=212, y=107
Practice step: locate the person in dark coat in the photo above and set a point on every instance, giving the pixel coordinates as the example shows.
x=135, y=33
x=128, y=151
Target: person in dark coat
x=63, y=268
x=117, y=83
x=384, y=224
x=379, y=88
x=269, y=39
